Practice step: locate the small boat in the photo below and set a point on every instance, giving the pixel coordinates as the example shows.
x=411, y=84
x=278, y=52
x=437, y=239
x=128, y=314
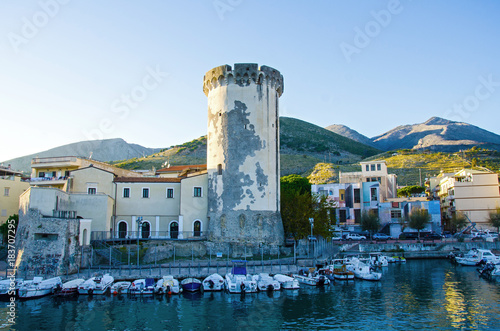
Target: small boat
x=287, y=282
x=396, y=259
x=311, y=278
x=69, y=288
x=266, y=282
x=237, y=281
x=38, y=287
x=143, y=286
x=98, y=284
x=9, y=288
x=120, y=287
x=363, y=270
x=103, y=283
x=214, y=282
x=339, y=270
x=378, y=260
x=191, y=284
x=477, y=256
x=489, y=270
x=167, y=285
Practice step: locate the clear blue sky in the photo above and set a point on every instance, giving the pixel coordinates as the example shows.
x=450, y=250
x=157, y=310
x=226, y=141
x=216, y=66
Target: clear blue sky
x=65, y=66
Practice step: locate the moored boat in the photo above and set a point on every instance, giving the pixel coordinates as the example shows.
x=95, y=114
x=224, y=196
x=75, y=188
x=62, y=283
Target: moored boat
x=339, y=270
x=214, y=282
x=167, y=285
x=266, y=282
x=311, y=278
x=363, y=270
x=144, y=286
x=287, y=282
x=69, y=288
x=103, y=283
x=120, y=287
x=9, y=288
x=238, y=281
x=38, y=287
x=477, y=256
x=191, y=284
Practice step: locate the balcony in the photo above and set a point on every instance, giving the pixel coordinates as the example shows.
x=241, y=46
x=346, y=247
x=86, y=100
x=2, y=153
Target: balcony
x=124, y=236
x=55, y=162
x=48, y=181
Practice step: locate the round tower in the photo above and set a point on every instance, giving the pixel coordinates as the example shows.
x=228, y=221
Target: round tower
x=243, y=153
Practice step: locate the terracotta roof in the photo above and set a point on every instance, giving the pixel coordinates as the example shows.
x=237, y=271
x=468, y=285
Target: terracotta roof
x=146, y=180
x=183, y=167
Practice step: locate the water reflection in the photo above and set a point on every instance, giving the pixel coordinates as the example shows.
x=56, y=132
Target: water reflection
x=416, y=295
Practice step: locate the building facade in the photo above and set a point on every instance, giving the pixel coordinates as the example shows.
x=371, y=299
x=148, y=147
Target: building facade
x=12, y=186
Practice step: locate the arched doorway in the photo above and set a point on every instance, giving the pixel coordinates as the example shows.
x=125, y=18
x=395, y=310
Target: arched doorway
x=174, y=230
x=197, y=228
x=122, y=229
x=84, y=237
x=145, y=230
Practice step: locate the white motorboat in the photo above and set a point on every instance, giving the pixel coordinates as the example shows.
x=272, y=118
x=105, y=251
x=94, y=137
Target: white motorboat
x=287, y=282
x=237, y=281
x=38, y=287
x=9, y=288
x=489, y=270
x=144, y=286
x=311, y=278
x=167, y=285
x=98, y=284
x=378, y=260
x=120, y=287
x=266, y=282
x=70, y=288
x=103, y=283
x=363, y=270
x=476, y=256
x=214, y=282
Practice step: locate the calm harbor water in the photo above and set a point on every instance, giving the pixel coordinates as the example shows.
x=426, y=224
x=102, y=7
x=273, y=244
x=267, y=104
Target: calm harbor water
x=429, y=295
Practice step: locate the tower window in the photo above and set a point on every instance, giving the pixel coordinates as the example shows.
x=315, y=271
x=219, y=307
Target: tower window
x=219, y=169
x=145, y=192
x=197, y=192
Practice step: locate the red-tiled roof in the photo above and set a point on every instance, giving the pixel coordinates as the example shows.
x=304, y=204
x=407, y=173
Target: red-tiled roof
x=147, y=180
x=183, y=167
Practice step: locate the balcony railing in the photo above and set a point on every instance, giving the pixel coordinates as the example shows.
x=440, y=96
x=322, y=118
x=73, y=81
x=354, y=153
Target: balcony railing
x=39, y=160
x=148, y=235
x=47, y=179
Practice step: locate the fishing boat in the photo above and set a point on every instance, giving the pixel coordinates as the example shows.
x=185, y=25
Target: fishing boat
x=120, y=287
x=144, y=286
x=214, y=282
x=191, y=284
x=69, y=288
x=237, y=281
x=9, y=288
x=477, y=256
x=396, y=259
x=167, y=285
x=378, y=260
x=339, y=270
x=287, y=282
x=489, y=270
x=266, y=282
x=38, y=287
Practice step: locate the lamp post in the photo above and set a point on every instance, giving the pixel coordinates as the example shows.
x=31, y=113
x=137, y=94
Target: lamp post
x=139, y=223
x=311, y=221
x=311, y=238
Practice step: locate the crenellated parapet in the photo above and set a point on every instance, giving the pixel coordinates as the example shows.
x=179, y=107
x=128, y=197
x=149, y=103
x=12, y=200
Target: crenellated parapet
x=243, y=74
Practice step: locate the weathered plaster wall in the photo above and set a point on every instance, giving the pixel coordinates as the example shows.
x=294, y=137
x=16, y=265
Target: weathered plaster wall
x=243, y=152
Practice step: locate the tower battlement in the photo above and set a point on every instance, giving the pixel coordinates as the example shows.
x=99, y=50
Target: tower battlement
x=243, y=74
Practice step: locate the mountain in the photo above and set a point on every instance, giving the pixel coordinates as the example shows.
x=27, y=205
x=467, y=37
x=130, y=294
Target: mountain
x=437, y=134
x=351, y=134
x=102, y=150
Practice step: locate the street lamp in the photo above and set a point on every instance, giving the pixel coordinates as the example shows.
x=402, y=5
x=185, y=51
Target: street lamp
x=311, y=221
x=139, y=223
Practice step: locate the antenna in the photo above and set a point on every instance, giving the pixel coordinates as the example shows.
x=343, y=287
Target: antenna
x=90, y=156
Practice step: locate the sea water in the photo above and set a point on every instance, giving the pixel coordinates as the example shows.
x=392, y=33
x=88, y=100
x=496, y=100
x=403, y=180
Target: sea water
x=417, y=295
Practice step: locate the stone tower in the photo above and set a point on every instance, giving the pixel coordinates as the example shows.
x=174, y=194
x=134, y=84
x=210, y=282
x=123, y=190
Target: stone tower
x=243, y=153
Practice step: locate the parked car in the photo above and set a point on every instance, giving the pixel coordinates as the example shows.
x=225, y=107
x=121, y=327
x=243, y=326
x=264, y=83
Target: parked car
x=408, y=235
x=381, y=236
x=337, y=237
x=354, y=236
x=432, y=236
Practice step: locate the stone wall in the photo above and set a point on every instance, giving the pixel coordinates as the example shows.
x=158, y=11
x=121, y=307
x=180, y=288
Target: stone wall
x=47, y=246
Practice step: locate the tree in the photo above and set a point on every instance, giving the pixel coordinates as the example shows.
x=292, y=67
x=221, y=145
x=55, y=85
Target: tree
x=419, y=217
x=458, y=221
x=494, y=218
x=4, y=228
x=298, y=205
x=408, y=191
x=370, y=222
